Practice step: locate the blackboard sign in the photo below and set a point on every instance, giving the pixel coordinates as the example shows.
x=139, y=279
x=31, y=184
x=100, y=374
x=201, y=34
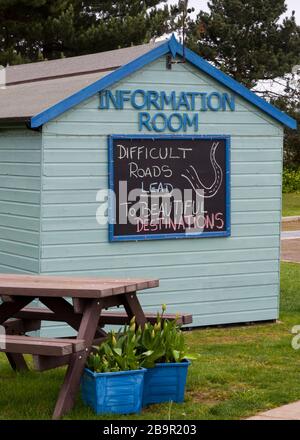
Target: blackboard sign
x=168, y=187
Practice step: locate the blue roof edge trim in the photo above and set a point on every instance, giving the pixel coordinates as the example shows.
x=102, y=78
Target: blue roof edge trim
x=235, y=86
x=173, y=46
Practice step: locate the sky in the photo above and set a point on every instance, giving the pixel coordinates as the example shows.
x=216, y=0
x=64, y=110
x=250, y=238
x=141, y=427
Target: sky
x=293, y=5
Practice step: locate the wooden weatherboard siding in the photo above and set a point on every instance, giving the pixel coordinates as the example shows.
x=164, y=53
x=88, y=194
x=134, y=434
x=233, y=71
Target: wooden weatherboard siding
x=219, y=280
x=20, y=162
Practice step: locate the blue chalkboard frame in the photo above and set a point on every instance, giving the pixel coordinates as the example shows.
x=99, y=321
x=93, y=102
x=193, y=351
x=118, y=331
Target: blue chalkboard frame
x=143, y=237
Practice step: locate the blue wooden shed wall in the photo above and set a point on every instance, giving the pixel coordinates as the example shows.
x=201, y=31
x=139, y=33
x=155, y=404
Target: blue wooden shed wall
x=219, y=280
x=20, y=169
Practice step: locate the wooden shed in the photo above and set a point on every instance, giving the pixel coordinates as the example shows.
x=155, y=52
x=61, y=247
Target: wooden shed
x=152, y=116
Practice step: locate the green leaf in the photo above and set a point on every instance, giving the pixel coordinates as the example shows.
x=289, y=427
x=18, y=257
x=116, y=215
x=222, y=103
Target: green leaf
x=148, y=353
x=118, y=351
x=176, y=355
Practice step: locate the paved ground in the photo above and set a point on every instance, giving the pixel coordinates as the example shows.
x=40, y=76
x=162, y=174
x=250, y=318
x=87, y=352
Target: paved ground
x=291, y=226
x=288, y=235
x=291, y=218
x=290, y=250
x=286, y=412
x=290, y=239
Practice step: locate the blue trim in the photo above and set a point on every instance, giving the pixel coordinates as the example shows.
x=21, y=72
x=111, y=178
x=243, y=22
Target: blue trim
x=119, y=373
x=111, y=187
x=173, y=46
x=235, y=86
x=112, y=214
x=228, y=185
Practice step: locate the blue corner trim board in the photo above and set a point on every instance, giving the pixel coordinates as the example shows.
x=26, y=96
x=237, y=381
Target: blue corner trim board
x=170, y=46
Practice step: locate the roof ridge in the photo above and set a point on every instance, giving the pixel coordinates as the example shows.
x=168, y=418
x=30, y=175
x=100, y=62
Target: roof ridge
x=49, y=78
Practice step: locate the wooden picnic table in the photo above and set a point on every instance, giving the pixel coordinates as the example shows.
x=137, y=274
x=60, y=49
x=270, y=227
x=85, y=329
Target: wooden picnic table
x=80, y=303
x=90, y=297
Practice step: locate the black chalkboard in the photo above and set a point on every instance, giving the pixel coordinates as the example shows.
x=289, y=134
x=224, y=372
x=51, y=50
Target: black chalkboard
x=148, y=175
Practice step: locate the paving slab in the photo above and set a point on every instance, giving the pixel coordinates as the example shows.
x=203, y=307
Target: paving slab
x=289, y=235
x=290, y=250
x=264, y=418
x=291, y=226
x=291, y=218
x=285, y=412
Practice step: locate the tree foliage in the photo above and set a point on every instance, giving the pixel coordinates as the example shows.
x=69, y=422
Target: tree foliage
x=32, y=30
x=247, y=39
x=289, y=102
x=251, y=41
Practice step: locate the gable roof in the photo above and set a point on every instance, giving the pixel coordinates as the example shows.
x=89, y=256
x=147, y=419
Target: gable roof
x=89, y=82
x=74, y=66
x=23, y=101
x=35, y=87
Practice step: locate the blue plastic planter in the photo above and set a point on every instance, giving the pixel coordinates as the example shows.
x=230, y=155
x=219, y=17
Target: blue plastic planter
x=117, y=393
x=165, y=383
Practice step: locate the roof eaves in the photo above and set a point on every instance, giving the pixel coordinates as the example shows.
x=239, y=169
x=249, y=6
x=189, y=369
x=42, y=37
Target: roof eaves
x=15, y=119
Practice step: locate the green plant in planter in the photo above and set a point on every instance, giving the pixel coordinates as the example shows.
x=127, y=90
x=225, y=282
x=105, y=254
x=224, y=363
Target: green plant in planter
x=174, y=342
x=164, y=355
x=132, y=348
x=162, y=342
x=152, y=355
x=118, y=353
x=151, y=345
x=115, y=363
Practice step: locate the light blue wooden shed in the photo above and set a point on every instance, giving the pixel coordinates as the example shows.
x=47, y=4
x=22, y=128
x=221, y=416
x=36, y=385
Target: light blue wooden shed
x=54, y=160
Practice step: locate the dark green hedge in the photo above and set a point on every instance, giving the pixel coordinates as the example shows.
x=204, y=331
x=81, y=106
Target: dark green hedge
x=291, y=180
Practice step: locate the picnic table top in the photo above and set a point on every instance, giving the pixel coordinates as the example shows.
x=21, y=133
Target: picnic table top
x=66, y=286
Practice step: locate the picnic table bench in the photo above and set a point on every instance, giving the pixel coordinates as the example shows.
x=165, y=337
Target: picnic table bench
x=85, y=314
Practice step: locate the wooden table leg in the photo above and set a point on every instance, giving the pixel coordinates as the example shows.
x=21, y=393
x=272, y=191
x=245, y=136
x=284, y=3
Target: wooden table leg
x=134, y=308
x=87, y=331
x=7, y=309
x=64, y=310
x=17, y=361
x=66, y=313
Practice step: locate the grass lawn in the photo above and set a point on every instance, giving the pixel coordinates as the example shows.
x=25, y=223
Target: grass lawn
x=291, y=204
x=240, y=371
